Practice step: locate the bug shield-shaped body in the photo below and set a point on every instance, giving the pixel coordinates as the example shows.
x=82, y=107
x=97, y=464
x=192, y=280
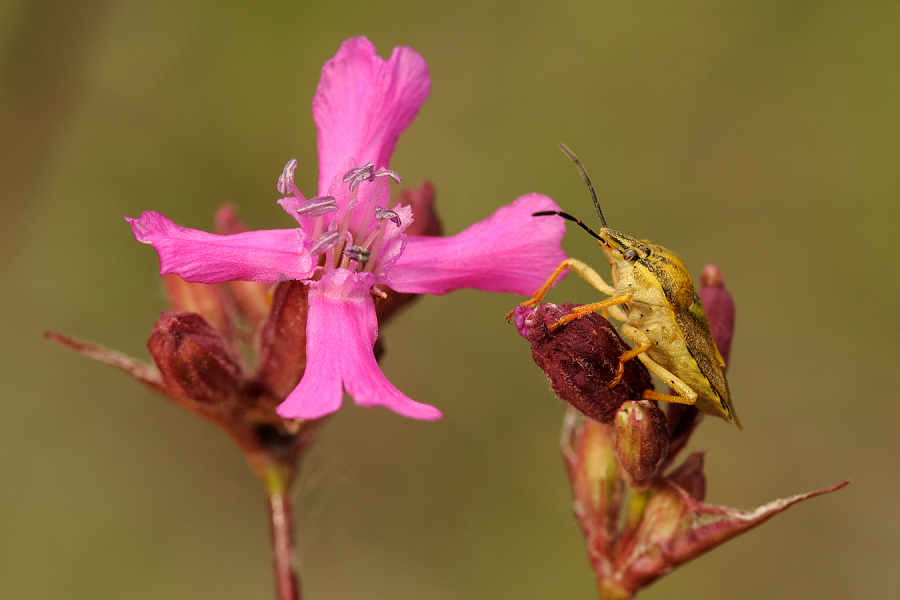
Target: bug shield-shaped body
x=665, y=315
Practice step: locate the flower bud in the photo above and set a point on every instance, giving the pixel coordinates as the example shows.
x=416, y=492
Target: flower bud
x=421, y=200
x=209, y=301
x=597, y=490
x=194, y=360
x=282, y=340
x=641, y=440
x=719, y=309
x=683, y=420
x=581, y=359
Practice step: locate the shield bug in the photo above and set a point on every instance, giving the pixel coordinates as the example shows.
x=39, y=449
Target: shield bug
x=652, y=292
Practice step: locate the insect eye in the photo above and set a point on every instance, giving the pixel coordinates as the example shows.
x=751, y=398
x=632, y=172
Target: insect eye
x=630, y=254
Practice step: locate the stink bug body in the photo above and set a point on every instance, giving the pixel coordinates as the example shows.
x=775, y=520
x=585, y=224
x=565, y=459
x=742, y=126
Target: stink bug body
x=652, y=292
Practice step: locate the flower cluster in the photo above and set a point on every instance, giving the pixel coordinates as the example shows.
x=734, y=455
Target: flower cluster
x=640, y=517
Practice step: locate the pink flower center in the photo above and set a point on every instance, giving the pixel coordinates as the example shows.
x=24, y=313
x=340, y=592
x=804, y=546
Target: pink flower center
x=353, y=238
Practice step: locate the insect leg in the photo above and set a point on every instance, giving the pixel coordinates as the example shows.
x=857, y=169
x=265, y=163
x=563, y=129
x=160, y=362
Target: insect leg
x=589, y=275
x=593, y=278
x=626, y=356
x=580, y=311
x=652, y=395
x=686, y=395
x=542, y=291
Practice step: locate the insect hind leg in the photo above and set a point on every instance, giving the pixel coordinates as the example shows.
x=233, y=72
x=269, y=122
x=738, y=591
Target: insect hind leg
x=686, y=395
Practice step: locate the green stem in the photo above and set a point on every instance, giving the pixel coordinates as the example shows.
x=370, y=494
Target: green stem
x=633, y=515
x=277, y=484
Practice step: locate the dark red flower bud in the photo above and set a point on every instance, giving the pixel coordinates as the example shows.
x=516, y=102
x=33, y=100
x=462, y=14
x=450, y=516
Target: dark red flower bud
x=582, y=358
x=421, y=200
x=227, y=221
x=719, y=309
x=282, y=340
x=683, y=420
x=209, y=301
x=641, y=440
x=194, y=360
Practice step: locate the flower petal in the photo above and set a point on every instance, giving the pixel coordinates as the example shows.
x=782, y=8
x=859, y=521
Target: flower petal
x=197, y=256
x=341, y=332
x=363, y=103
x=510, y=251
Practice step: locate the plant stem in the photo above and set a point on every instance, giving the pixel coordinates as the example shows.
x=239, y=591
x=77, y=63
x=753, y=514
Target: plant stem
x=277, y=484
x=611, y=591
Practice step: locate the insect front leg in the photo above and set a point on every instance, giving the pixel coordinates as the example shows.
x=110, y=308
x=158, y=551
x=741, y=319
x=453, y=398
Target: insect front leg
x=589, y=275
x=586, y=309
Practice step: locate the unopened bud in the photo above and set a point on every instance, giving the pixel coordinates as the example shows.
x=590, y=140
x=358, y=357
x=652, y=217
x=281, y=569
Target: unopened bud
x=282, y=340
x=193, y=359
x=582, y=358
x=425, y=217
x=206, y=300
x=642, y=441
x=596, y=487
x=683, y=420
x=719, y=309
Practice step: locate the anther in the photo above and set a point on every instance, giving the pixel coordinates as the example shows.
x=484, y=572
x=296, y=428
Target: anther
x=357, y=253
x=327, y=240
x=286, y=179
x=382, y=214
x=388, y=173
x=359, y=174
x=318, y=206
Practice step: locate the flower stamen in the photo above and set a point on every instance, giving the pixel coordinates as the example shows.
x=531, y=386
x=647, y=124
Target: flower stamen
x=389, y=215
x=286, y=179
x=318, y=206
x=326, y=241
x=388, y=173
x=358, y=175
x=357, y=253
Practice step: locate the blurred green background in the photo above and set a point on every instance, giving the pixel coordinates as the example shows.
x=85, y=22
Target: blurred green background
x=762, y=136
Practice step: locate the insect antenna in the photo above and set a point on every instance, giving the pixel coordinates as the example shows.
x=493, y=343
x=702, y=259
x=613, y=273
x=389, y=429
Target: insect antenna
x=547, y=213
x=587, y=180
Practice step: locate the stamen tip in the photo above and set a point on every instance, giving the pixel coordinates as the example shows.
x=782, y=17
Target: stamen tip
x=286, y=179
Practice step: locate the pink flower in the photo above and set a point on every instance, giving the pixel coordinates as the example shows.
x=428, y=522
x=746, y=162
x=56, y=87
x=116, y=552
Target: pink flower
x=348, y=240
